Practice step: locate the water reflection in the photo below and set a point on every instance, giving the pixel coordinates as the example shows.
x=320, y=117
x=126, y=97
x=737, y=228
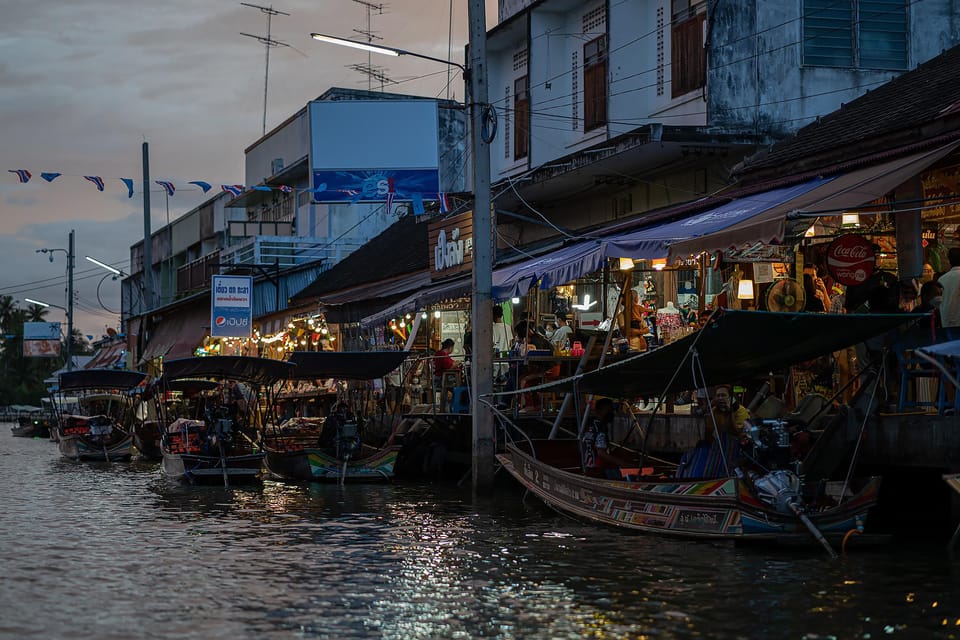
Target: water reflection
x=117, y=550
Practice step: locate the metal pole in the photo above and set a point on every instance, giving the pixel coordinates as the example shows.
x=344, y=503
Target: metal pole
x=482, y=317
x=70, y=303
x=147, y=240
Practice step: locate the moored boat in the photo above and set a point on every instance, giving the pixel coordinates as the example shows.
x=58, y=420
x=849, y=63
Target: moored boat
x=333, y=448
x=762, y=487
x=217, y=442
x=96, y=424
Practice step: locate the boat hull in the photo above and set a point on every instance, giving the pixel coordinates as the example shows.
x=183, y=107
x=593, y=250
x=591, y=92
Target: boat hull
x=723, y=508
x=146, y=438
x=200, y=469
x=316, y=465
x=31, y=429
x=84, y=448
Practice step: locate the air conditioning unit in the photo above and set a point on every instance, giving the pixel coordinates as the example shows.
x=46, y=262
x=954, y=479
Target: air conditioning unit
x=276, y=166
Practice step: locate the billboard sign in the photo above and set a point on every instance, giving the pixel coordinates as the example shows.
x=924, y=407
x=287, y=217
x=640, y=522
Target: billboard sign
x=361, y=150
x=231, y=306
x=41, y=339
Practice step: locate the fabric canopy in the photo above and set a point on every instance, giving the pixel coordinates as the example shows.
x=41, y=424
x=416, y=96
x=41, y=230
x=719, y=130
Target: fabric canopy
x=944, y=349
x=653, y=242
x=550, y=270
x=100, y=379
x=178, y=334
x=733, y=346
x=849, y=190
x=346, y=365
x=446, y=290
x=243, y=368
x=108, y=357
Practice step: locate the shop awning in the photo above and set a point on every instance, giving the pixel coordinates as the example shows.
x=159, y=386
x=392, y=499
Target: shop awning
x=438, y=292
x=352, y=304
x=108, y=357
x=345, y=365
x=846, y=191
x=178, y=334
x=653, y=242
x=550, y=270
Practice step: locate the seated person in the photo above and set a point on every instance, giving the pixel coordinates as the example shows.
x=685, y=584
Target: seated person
x=563, y=334
x=595, y=453
x=441, y=359
x=715, y=457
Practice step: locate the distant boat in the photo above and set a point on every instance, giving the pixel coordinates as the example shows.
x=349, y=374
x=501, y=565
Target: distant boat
x=333, y=448
x=96, y=423
x=216, y=442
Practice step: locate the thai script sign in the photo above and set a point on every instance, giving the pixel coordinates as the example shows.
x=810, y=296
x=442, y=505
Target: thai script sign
x=851, y=259
x=231, y=307
x=450, y=243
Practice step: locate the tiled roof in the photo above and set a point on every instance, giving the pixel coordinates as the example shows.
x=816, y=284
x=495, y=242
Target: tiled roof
x=899, y=112
x=401, y=248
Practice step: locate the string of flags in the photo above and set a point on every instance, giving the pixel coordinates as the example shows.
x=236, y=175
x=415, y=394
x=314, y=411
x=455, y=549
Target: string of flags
x=417, y=199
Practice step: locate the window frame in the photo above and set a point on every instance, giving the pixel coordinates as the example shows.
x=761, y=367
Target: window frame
x=596, y=62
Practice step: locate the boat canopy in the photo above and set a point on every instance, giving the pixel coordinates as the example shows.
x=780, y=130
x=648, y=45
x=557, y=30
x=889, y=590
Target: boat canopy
x=945, y=349
x=345, y=365
x=732, y=346
x=79, y=379
x=242, y=368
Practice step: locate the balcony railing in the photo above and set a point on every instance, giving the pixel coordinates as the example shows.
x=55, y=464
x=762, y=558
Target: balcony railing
x=286, y=251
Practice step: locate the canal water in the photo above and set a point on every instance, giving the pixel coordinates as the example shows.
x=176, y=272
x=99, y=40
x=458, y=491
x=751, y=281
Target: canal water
x=117, y=551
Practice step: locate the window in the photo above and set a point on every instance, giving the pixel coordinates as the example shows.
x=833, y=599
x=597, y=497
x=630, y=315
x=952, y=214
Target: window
x=688, y=57
x=869, y=34
x=595, y=84
x=521, y=117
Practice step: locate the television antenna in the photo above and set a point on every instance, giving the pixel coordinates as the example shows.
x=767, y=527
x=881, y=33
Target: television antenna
x=269, y=43
x=373, y=72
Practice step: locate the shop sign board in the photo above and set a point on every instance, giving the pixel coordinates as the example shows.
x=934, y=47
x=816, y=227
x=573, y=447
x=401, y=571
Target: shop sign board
x=41, y=339
x=450, y=243
x=231, y=307
x=851, y=259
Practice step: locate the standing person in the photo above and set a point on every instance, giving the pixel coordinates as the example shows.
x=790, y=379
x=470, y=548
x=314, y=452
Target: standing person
x=502, y=341
x=950, y=302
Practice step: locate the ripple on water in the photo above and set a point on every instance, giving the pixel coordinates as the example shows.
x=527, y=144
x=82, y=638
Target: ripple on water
x=117, y=551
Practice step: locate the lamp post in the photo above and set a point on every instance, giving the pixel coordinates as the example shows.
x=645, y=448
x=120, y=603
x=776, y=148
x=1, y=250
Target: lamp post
x=69, y=308
x=481, y=371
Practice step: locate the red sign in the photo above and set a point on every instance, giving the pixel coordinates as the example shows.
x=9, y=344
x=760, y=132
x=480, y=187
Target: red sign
x=851, y=259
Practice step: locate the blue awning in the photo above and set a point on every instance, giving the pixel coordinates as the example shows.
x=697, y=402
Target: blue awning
x=654, y=242
x=550, y=270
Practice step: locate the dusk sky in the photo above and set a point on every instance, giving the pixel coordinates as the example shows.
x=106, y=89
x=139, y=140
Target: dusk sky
x=83, y=84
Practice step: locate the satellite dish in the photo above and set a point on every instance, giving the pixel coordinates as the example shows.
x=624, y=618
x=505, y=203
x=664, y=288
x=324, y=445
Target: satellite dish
x=786, y=294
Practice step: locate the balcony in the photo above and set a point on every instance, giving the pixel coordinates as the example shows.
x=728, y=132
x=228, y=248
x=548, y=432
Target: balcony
x=287, y=251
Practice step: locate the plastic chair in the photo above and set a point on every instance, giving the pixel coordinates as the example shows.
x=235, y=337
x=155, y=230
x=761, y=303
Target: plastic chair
x=449, y=380
x=915, y=371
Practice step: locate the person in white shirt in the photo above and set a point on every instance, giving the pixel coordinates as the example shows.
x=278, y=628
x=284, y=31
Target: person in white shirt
x=950, y=304
x=502, y=340
x=562, y=335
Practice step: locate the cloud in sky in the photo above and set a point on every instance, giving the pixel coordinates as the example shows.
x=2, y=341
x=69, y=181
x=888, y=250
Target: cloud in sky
x=83, y=84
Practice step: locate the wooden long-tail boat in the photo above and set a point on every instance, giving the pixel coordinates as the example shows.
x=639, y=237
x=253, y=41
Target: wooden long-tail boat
x=810, y=499
x=176, y=398
x=97, y=426
x=333, y=448
x=219, y=443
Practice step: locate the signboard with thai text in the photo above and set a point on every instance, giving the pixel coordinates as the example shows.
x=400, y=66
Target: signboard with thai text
x=41, y=339
x=231, y=307
x=450, y=242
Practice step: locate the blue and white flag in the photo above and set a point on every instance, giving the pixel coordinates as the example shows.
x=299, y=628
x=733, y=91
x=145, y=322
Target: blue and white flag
x=417, y=204
x=203, y=185
x=97, y=180
x=167, y=186
x=261, y=187
x=22, y=174
x=234, y=189
x=129, y=183
x=50, y=177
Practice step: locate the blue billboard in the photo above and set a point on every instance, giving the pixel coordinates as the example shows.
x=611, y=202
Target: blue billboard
x=374, y=185
x=231, y=307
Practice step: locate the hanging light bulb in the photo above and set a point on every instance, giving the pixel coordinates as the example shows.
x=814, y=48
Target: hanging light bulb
x=424, y=315
x=323, y=331
x=436, y=314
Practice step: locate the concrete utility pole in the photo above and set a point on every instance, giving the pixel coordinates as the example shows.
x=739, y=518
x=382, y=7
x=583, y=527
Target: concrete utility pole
x=482, y=318
x=70, y=302
x=147, y=240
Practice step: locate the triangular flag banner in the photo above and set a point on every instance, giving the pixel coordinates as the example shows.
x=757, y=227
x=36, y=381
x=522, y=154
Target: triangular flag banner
x=284, y=188
x=49, y=177
x=234, y=189
x=167, y=186
x=22, y=174
x=390, y=195
x=203, y=185
x=129, y=183
x=418, y=204
x=261, y=187
x=444, y=203
x=97, y=180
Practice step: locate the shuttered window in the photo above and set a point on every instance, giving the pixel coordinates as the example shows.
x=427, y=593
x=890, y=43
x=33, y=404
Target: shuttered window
x=688, y=58
x=868, y=34
x=521, y=117
x=595, y=84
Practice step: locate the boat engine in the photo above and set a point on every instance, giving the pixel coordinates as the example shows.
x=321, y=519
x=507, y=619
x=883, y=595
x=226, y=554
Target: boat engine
x=780, y=489
x=348, y=439
x=769, y=441
x=222, y=431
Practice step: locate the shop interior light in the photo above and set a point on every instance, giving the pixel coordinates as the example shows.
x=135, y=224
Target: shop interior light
x=424, y=315
x=659, y=264
x=626, y=264
x=850, y=221
x=515, y=300
x=812, y=231
x=745, y=290
x=586, y=303
x=436, y=314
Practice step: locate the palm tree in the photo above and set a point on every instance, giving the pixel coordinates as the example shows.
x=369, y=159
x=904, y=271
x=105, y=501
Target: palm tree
x=36, y=313
x=7, y=308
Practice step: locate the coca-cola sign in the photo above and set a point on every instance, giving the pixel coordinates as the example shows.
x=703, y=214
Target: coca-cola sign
x=851, y=259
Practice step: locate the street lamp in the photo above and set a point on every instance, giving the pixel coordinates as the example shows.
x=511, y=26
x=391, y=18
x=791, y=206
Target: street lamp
x=69, y=308
x=481, y=370
x=113, y=270
x=114, y=274
x=43, y=304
